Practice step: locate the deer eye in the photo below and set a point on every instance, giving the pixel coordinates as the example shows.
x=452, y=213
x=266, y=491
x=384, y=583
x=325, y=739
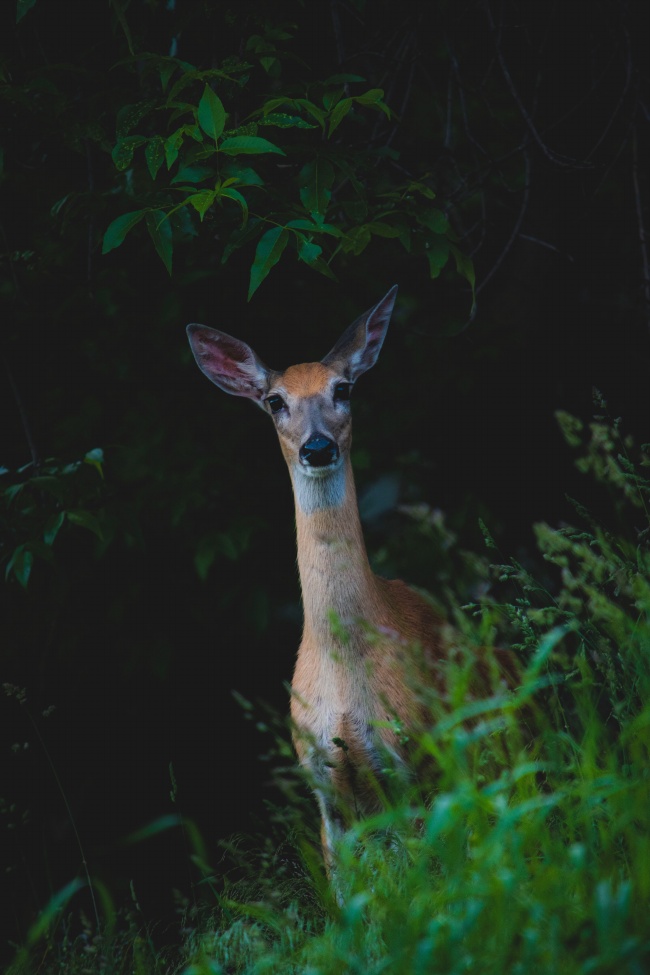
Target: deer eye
x=342, y=392
x=276, y=403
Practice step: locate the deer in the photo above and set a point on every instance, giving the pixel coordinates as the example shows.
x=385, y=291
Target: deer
x=368, y=642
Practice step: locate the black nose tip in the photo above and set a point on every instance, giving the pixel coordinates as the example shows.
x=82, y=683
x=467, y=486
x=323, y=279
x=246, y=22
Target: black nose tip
x=319, y=451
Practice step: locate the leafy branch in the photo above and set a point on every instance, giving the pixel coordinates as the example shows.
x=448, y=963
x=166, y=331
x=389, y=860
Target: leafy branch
x=316, y=187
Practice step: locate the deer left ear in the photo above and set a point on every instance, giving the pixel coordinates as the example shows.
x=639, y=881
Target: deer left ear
x=229, y=363
x=358, y=348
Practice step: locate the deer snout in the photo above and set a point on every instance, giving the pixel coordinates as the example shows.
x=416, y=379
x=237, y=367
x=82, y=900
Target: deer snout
x=318, y=451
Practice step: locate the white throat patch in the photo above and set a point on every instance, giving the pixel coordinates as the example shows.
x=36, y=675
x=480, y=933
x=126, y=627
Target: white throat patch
x=313, y=493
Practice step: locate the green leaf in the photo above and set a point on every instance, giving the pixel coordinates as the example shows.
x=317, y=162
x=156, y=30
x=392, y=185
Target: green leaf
x=193, y=174
x=194, y=132
x=544, y=649
x=465, y=266
x=154, y=154
x=248, y=128
x=119, y=13
x=119, y=228
x=250, y=144
x=304, y=225
x=173, y=144
x=405, y=239
x=212, y=114
x=307, y=250
x=160, y=825
x=416, y=187
x=381, y=229
x=283, y=121
x=315, y=181
x=201, y=201
x=314, y=227
x=12, y=491
x=374, y=98
x=434, y=220
x=312, y=110
x=95, y=458
x=370, y=97
x=342, y=79
x=244, y=175
x=235, y=195
x=123, y=150
x=52, y=527
x=129, y=116
x=331, y=97
x=268, y=253
x=357, y=239
x=271, y=66
x=85, y=519
x=339, y=112
x=166, y=71
x=23, y=7
x=20, y=564
x=160, y=231
x=51, y=913
x=310, y=253
x=273, y=103
x=437, y=254
x=239, y=238
x=204, y=558
x=323, y=268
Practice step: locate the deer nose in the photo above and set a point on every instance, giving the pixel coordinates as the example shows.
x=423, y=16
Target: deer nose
x=319, y=451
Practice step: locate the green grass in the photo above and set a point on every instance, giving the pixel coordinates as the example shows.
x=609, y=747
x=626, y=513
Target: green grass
x=532, y=851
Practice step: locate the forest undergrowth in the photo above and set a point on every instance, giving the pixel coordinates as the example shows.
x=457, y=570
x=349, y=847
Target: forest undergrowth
x=530, y=851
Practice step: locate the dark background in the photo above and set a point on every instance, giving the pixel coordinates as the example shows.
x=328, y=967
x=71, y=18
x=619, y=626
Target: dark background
x=532, y=123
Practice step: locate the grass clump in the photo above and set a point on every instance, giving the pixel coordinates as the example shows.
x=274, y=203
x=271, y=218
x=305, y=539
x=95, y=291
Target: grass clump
x=530, y=850
x=533, y=854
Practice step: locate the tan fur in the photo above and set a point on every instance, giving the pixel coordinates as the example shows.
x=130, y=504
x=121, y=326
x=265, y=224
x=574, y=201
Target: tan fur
x=369, y=644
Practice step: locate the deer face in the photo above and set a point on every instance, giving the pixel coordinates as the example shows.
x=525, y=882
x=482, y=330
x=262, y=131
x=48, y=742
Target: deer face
x=309, y=403
x=310, y=406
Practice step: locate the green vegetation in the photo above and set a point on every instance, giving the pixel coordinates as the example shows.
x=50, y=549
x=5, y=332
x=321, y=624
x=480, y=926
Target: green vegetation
x=271, y=168
x=533, y=851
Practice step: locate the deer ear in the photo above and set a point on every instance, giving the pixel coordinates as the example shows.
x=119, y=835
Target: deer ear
x=359, y=346
x=230, y=364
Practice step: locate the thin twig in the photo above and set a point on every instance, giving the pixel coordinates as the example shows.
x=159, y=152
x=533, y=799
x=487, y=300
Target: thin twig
x=24, y=419
x=338, y=38
x=643, y=237
x=554, y=157
x=36, y=460
x=91, y=190
x=515, y=230
x=545, y=243
x=71, y=818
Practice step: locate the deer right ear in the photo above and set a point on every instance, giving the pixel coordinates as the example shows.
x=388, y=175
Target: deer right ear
x=228, y=363
x=357, y=349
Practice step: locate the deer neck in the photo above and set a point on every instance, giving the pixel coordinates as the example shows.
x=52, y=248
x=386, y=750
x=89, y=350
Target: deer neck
x=338, y=586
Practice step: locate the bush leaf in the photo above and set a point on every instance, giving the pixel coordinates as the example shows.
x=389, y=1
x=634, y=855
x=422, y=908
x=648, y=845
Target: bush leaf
x=250, y=144
x=119, y=228
x=268, y=253
x=154, y=154
x=160, y=231
x=212, y=114
x=315, y=181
